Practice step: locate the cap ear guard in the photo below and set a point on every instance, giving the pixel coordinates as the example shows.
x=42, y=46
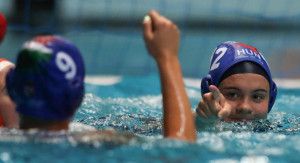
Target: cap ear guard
x=273, y=94
x=205, y=83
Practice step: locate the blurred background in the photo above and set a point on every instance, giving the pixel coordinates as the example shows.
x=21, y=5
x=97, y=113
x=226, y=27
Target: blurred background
x=109, y=34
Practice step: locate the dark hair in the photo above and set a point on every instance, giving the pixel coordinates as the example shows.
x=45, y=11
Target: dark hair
x=245, y=67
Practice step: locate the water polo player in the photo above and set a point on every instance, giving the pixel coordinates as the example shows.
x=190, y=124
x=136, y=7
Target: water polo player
x=47, y=84
x=239, y=85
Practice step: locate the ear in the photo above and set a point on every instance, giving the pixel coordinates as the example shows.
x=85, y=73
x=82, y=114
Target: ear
x=10, y=86
x=205, y=83
x=273, y=94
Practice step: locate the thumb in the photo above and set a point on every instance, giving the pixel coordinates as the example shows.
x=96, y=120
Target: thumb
x=147, y=28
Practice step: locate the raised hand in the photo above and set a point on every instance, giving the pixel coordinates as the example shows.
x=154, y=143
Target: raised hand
x=213, y=105
x=161, y=36
x=162, y=41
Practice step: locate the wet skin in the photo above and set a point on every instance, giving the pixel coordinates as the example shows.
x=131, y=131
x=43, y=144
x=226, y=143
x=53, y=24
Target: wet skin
x=247, y=94
x=238, y=97
x=7, y=106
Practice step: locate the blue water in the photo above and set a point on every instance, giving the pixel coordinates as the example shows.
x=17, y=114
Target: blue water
x=134, y=105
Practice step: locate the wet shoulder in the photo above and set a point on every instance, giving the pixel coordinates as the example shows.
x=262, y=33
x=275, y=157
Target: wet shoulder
x=105, y=136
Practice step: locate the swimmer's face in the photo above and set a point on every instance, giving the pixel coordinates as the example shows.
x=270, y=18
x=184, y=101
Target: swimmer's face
x=248, y=95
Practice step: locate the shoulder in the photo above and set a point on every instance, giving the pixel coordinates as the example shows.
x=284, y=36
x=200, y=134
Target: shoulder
x=85, y=134
x=80, y=127
x=105, y=136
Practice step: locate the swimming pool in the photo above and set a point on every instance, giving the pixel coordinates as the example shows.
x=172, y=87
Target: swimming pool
x=133, y=104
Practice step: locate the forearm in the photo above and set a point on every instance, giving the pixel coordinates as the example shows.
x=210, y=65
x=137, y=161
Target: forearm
x=178, y=118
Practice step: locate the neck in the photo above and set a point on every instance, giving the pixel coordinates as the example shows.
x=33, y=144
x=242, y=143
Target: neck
x=30, y=123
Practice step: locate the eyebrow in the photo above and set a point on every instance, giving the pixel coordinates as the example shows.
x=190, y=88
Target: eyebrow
x=227, y=88
x=261, y=90
x=237, y=89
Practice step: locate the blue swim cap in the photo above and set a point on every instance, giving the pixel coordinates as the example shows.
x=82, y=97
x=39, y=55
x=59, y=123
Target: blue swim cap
x=229, y=54
x=48, y=81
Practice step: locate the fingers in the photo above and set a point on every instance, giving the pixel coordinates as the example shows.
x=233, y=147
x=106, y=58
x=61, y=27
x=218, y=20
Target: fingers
x=161, y=37
x=210, y=109
x=159, y=21
x=147, y=25
x=154, y=16
x=213, y=104
x=215, y=92
x=206, y=109
x=218, y=96
x=224, y=112
x=146, y=19
x=201, y=113
x=202, y=110
x=216, y=103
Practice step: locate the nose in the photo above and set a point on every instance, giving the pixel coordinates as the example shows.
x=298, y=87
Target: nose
x=244, y=107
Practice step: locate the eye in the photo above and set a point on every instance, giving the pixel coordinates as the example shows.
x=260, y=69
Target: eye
x=258, y=97
x=232, y=95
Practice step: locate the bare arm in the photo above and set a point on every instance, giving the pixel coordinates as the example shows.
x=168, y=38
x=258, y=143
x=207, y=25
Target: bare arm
x=162, y=40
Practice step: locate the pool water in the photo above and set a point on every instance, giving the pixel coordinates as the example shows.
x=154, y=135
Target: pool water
x=133, y=104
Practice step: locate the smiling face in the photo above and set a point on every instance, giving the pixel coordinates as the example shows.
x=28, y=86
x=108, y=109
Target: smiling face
x=248, y=95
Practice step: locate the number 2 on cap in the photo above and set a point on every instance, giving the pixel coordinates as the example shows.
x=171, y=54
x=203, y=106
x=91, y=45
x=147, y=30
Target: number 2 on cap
x=220, y=52
x=66, y=64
